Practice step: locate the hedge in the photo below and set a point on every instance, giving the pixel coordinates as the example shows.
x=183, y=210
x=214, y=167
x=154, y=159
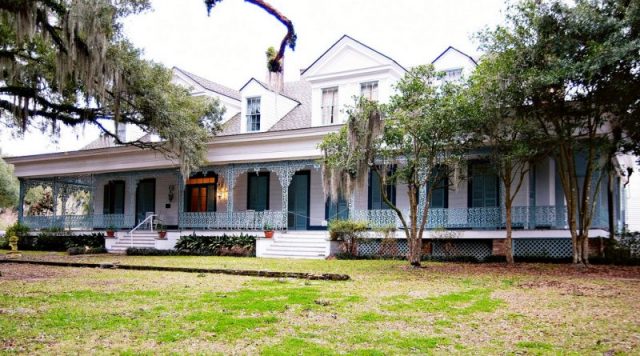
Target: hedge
x=57, y=242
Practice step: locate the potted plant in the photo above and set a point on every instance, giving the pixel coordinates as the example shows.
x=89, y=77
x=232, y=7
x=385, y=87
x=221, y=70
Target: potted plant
x=111, y=231
x=162, y=232
x=268, y=230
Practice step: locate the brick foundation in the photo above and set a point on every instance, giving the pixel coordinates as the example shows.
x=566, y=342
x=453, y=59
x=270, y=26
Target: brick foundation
x=499, y=247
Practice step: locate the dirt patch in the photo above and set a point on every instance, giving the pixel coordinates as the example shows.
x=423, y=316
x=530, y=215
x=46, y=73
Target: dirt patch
x=573, y=289
x=13, y=272
x=531, y=269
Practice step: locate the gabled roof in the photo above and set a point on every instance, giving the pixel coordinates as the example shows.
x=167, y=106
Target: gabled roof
x=269, y=88
x=451, y=48
x=209, y=85
x=356, y=41
x=299, y=117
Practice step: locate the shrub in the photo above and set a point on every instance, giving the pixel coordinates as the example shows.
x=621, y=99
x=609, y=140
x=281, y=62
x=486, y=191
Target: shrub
x=349, y=232
x=17, y=229
x=55, y=242
x=225, y=245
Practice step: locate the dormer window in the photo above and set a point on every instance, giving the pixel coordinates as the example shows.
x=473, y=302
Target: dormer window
x=369, y=90
x=253, y=114
x=329, y=106
x=452, y=75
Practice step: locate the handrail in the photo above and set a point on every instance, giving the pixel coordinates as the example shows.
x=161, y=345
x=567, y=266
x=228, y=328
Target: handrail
x=150, y=217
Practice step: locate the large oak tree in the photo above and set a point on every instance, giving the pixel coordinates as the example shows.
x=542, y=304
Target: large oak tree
x=68, y=63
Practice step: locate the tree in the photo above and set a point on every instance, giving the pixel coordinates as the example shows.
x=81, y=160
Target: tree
x=575, y=66
x=68, y=63
x=423, y=136
x=8, y=186
x=509, y=135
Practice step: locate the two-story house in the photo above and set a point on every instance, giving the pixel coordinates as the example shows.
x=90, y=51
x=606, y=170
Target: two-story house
x=264, y=170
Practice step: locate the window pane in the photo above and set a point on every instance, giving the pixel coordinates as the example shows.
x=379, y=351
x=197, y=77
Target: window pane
x=253, y=114
x=369, y=90
x=330, y=105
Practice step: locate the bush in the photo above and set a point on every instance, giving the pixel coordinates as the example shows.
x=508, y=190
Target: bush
x=83, y=250
x=349, y=232
x=17, y=229
x=225, y=245
x=55, y=242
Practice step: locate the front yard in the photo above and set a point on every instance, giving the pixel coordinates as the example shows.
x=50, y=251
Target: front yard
x=385, y=309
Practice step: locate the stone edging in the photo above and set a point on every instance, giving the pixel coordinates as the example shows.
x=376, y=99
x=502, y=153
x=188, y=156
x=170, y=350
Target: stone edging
x=251, y=273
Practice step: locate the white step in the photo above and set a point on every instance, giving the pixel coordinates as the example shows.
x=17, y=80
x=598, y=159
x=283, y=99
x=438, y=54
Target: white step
x=299, y=240
x=288, y=244
x=295, y=248
x=296, y=254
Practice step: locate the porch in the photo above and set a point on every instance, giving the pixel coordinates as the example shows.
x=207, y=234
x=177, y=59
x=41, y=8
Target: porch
x=284, y=195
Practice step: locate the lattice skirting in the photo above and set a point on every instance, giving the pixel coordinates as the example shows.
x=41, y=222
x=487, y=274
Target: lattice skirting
x=556, y=248
x=480, y=249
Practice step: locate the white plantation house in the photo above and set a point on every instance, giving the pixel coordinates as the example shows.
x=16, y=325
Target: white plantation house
x=263, y=170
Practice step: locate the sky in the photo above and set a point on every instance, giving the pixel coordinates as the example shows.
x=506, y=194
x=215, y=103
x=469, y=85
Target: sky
x=229, y=46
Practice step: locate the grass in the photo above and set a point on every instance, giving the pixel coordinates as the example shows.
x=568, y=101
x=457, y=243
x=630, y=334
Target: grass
x=385, y=309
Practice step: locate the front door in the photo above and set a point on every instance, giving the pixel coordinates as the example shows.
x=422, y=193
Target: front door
x=298, y=215
x=145, y=199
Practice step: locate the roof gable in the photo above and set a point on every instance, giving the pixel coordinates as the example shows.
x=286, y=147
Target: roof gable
x=349, y=54
x=192, y=80
x=452, y=51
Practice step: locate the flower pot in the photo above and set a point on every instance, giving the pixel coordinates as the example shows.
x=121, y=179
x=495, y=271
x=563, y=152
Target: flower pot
x=268, y=234
x=111, y=233
x=162, y=235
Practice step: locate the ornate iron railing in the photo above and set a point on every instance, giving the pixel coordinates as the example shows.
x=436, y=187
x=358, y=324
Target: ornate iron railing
x=84, y=222
x=539, y=217
x=238, y=220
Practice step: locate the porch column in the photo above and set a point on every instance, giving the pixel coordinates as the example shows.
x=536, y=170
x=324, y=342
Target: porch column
x=285, y=176
x=231, y=182
x=21, y=200
x=181, y=193
x=55, y=197
x=131, y=185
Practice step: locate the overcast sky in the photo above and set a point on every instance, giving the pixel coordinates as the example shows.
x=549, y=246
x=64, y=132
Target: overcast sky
x=228, y=47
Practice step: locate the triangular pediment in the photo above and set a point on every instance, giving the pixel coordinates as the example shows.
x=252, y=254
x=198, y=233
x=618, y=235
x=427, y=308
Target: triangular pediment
x=348, y=54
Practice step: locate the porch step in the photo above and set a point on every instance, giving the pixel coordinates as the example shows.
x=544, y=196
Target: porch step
x=295, y=245
x=139, y=239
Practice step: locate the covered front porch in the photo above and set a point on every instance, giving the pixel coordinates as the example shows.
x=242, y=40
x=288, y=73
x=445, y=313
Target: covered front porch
x=244, y=196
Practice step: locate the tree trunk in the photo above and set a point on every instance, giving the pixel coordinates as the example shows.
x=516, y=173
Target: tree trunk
x=509, y=241
x=415, y=243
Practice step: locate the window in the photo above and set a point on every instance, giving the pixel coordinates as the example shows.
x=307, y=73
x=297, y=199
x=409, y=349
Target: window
x=200, y=193
x=375, y=194
x=440, y=192
x=113, y=199
x=258, y=191
x=483, y=186
x=452, y=75
x=253, y=114
x=329, y=106
x=369, y=90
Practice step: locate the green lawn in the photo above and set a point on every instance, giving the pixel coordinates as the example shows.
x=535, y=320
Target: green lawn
x=385, y=309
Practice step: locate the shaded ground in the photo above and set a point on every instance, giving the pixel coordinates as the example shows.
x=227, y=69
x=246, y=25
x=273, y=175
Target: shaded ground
x=386, y=308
